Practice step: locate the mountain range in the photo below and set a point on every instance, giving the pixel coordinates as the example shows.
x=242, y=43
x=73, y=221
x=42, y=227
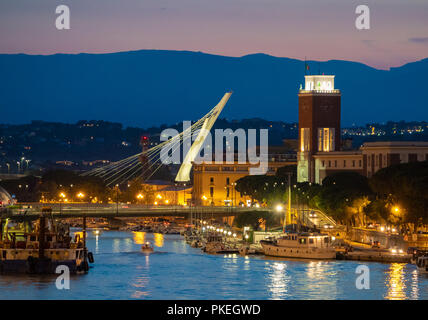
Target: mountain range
x=153, y=87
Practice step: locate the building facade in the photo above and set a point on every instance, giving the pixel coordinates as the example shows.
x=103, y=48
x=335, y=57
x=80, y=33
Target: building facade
x=319, y=123
x=320, y=154
x=214, y=184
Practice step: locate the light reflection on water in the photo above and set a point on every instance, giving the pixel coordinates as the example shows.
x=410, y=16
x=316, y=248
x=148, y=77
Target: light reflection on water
x=395, y=282
x=177, y=271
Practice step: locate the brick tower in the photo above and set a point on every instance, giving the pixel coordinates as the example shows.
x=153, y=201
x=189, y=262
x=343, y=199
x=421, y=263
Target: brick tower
x=319, y=123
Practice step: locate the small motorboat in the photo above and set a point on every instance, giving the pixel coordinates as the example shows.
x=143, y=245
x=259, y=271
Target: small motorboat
x=147, y=248
x=422, y=264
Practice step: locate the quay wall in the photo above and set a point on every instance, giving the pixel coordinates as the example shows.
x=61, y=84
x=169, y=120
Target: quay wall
x=368, y=236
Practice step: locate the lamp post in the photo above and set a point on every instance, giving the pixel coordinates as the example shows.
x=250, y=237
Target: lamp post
x=289, y=197
x=62, y=197
x=117, y=199
x=140, y=197
x=81, y=195
x=184, y=193
x=279, y=208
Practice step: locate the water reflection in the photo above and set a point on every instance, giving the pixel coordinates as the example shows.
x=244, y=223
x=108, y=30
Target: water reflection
x=139, y=237
x=158, y=239
x=279, y=281
x=116, y=245
x=97, y=247
x=395, y=282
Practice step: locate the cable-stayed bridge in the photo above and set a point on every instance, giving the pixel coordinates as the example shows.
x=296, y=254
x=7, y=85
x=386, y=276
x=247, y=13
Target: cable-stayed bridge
x=126, y=169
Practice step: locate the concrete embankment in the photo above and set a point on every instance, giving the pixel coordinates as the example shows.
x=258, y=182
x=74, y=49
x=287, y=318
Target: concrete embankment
x=378, y=257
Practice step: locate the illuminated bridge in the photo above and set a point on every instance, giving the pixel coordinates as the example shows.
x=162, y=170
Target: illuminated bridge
x=119, y=210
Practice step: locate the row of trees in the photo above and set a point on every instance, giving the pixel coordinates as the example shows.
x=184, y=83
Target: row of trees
x=395, y=195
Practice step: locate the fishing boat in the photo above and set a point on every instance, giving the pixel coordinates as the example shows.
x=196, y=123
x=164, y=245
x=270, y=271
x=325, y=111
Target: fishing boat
x=422, y=264
x=147, y=248
x=39, y=247
x=300, y=245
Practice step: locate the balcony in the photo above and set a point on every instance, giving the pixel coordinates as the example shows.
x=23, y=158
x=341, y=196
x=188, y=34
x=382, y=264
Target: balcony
x=336, y=91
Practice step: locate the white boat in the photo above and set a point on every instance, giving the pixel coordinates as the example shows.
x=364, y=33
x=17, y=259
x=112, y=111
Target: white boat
x=422, y=264
x=300, y=245
x=147, y=248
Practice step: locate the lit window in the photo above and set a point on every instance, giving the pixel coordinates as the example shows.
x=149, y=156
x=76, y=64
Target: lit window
x=326, y=139
x=304, y=139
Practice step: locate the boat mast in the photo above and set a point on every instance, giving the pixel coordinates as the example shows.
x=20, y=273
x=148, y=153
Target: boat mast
x=84, y=236
x=289, y=198
x=42, y=227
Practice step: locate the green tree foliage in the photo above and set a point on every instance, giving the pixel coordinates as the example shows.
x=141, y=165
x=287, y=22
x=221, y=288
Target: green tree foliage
x=405, y=186
x=255, y=218
x=343, y=196
x=136, y=187
x=266, y=188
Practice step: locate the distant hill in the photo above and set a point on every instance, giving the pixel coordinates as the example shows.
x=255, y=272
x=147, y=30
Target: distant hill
x=150, y=87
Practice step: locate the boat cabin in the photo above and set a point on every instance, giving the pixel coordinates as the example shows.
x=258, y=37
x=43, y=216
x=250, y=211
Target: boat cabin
x=317, y=240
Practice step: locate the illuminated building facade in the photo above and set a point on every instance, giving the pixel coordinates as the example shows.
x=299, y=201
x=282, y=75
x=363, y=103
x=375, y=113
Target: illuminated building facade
x=319, y=153
x=214, y=184
x=319, y=123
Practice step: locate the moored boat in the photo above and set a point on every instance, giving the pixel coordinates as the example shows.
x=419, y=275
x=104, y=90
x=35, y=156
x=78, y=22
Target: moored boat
x=40, y=247
x=422, y=264
x=300, y=245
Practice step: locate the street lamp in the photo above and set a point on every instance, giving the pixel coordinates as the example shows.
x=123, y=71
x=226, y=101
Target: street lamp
x=184, y=194
x=63, y=196
x=81, y=195
x=117, y=199
x=140, y=197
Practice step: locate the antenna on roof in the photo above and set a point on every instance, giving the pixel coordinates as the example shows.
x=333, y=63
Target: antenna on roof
x=306, y=67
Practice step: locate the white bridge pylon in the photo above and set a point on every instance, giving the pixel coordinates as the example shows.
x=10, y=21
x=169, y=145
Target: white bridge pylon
x=126, y=169
x=183, y=174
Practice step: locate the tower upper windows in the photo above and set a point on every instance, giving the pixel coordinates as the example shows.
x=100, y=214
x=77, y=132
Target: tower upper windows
x=319, y=83
x=326, y=139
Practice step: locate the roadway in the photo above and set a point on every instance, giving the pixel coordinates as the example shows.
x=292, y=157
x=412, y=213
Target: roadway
x=124, y=210
x=309, y=217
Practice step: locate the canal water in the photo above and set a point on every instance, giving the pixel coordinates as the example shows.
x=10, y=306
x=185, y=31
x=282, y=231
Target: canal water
x=177, y=271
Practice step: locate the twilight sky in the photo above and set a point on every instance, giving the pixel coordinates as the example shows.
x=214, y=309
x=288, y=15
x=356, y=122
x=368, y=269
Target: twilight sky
x=317, y=29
